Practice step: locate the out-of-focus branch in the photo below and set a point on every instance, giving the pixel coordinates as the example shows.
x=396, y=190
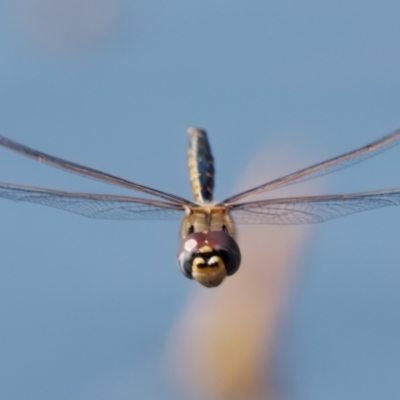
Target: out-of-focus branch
x=221, y=346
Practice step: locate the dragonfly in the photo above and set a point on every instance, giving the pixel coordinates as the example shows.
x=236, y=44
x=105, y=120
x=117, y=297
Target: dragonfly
x=208, y=251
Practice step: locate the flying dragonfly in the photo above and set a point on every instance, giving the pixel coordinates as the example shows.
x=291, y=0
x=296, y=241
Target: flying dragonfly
x=208, y=252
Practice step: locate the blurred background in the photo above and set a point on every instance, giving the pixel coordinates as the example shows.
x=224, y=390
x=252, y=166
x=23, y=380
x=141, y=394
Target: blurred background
x=93, y=309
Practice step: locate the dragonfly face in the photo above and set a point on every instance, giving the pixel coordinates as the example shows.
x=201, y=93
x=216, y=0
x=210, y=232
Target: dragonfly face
x=208, y=257
x=208, y=251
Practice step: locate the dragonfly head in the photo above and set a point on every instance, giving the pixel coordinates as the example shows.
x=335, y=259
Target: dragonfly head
x=208, y=257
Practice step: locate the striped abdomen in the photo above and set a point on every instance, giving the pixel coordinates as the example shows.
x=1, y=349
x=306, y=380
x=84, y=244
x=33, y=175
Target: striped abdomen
x=201, y=165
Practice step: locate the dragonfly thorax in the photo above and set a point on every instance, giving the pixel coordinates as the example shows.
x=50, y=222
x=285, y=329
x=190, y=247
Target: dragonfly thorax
x=207, y=219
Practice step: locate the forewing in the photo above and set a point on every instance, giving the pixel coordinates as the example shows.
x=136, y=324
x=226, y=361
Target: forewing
x=305, y=210
x=323, y=168
x=93, y=205
x=86, y=171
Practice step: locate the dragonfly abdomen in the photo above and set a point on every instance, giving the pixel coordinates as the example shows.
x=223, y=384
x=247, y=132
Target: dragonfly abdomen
x=201, y=165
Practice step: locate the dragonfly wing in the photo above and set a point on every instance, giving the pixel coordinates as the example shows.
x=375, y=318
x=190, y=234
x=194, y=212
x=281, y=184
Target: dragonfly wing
x=305, y=210
x=86, y=171
x=93, y=205
x=323, y=168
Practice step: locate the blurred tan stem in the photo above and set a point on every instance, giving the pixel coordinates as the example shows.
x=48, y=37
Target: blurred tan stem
x=222, y=344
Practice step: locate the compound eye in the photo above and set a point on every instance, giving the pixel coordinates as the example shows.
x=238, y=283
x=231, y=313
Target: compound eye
x=190, y=229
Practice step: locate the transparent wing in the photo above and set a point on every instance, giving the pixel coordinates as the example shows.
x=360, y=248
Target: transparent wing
x=86, y=171
x=100, y=206
x=323, y=168
x=306, y=210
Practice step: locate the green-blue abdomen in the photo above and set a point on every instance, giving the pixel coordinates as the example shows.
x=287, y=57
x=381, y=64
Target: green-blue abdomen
x=201, y=165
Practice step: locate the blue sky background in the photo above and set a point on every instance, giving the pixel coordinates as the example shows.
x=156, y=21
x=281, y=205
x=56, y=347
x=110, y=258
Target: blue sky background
x=87, y=304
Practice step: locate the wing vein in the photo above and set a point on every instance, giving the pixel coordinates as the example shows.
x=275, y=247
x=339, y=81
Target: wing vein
x=311, y=209
x=323, y=168
x=86, y=171
x=93, y=205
